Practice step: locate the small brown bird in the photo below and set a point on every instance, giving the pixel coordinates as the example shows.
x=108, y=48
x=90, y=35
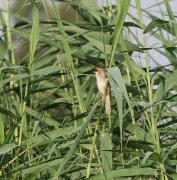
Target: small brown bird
x=104, y=88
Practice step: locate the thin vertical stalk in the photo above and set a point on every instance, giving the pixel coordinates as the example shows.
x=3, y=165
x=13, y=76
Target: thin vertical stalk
x=123, y=7
x=70, y=61
x=151, y=120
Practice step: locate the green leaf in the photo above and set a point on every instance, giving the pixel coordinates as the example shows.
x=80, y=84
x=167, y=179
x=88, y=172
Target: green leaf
x=170, y=81
x=127, y=172
x=7, y=112
x=2, y=49
x=106, y=152
x=78, y=138
x=2, y=134
x=34, y=36
x=50, y=136
x=41, y=167
x=118, y=86
x=123, y=7
x=47, y=70
x=156, y=23
x=6, y=148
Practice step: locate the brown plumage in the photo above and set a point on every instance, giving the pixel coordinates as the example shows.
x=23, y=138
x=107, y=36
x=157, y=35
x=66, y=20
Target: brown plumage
x=104, y=88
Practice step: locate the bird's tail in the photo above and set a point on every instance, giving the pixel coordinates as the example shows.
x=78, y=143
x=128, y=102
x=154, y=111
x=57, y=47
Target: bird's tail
x=108, y=101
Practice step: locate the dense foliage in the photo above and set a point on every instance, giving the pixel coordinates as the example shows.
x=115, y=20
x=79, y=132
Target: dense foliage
x=52, y=118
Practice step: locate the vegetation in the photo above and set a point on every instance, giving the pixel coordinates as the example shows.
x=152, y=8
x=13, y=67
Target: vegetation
x=53, y=123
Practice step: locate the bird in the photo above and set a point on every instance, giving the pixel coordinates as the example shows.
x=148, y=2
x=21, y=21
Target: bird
x=104, y=88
